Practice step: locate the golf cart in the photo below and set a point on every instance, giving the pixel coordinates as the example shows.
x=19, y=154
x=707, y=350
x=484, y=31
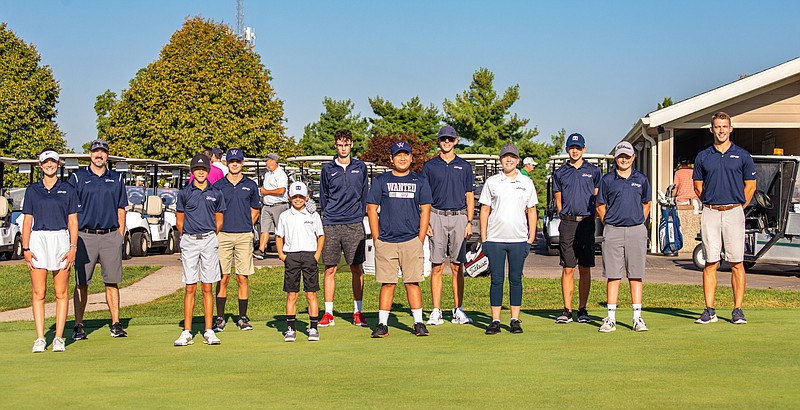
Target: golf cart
x=483, y=167
x=10, y=232
x=772, y=218
x=552, y=220
x=146, y=223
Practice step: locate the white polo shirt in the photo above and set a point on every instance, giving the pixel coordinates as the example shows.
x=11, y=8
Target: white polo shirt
x=509, y=198
x=274, y=180
x=299, y=230
x=222, y=167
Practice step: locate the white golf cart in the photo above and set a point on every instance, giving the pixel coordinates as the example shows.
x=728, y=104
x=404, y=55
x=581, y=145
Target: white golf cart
x=10, y=232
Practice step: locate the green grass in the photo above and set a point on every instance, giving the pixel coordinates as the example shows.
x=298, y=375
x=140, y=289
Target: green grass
x=16, y=283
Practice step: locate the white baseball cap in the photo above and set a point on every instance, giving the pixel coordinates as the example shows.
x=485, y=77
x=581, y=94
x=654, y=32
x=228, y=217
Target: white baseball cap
x=528, y=160
x=298, y=188
x=48, y=154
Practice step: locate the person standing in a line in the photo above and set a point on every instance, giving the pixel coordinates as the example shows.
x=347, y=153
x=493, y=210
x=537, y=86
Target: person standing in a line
x=343, y=189
x=49, y=241
x=725, y=181
x=274, y=201
x=102, y=199
x=623, y=204
x=452, y=187
x=242, y=205
x=575, y=187
x=216, y=161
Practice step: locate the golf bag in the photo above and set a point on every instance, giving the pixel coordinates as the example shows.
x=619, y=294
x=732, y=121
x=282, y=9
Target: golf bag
x=669, y=229
x=477, y=262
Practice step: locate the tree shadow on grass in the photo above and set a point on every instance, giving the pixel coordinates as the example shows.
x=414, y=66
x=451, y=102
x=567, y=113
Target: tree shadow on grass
x=91, y=327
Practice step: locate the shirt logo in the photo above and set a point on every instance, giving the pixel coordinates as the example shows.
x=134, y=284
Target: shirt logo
x=334, y=174
x=401, y=190
x=753, y=173
x=211, y=198
x=355, y=171
x=634, y=184
x=586, y=175
x=110, y=180
x=61, y=192
x=457, y=167
x=86, y=182
x=734, y=156
x=244, y=188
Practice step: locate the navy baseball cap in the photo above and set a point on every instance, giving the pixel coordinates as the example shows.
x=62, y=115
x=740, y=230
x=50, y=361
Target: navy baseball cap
x=234, y=154
x=200, y=161
x=99, y=144
x=217, y=152
x=400, y=146
x=575, y=140
x=447, y=131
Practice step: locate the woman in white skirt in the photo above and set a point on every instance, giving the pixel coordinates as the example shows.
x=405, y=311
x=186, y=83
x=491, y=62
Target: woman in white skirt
x=49, y=243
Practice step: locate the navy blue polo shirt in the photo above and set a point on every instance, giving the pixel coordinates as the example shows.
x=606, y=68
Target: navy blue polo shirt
x=199, y=207
x=50, y=207
x=399, y=199
x=624, y=198
x=449, y=182
x=343, y=192
x=723, y=175
x=239, y=200
x=99, y=197
x=577, y=188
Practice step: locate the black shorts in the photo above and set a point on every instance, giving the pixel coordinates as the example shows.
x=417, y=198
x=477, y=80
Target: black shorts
x=297, y=264
x=576, y=243
x=348, y=239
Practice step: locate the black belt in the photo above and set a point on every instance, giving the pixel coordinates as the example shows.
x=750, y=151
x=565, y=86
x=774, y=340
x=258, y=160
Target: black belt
x=279, y=203
x=574, y=218
x=199, y=236
x=99, y=231
x=449, y=213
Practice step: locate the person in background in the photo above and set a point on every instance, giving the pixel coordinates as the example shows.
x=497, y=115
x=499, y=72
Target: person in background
x=528, y=164
x=684, y=185
x=274, y=201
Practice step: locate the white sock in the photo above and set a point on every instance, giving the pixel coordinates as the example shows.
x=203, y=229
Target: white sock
x=417, y=313
x=356, y=306
x=612, y=312
x=383, y=317
x=637, y=311
x=329, y=307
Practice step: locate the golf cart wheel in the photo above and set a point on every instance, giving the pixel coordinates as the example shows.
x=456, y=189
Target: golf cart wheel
x=16, y=251
x=172, y=243
x=699, y=257
x=138, y=244
x=126, y=248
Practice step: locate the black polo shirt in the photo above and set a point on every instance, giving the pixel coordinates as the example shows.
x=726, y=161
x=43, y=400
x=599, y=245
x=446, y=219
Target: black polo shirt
x=199, y=207
x=239, y=200
x=624, y=198
x=449, y=182
x=723, y=175
x=99, y=197
x=577, y=187
x=50, y=208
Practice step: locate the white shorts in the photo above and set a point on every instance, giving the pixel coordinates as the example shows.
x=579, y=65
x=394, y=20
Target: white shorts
x=723, y=229
x=49, y=247
x=200, y=259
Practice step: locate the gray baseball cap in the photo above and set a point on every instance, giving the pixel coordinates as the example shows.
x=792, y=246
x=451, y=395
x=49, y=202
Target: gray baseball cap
x=509, y=149
x=273, y=156
x=623, y=147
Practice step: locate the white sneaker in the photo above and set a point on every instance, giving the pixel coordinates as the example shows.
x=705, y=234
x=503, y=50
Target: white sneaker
x=210, y=338
x=460, y=318
x=39, y=346
x=608, y=326
x=185, y=339
x=436, y=317
x=639, y=326
x=290, y=335
x=313, y=335
x=58, y=345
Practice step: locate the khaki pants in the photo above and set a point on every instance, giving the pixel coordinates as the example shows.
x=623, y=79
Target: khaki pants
x=236, y=249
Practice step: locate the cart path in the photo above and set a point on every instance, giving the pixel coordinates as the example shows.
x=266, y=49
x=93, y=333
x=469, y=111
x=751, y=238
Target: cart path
x=160, y=283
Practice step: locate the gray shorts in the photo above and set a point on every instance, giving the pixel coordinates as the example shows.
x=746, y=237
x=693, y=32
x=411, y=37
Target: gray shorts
x=200, y=259
x=624, y=251
x=448, y=238
x=348, y=239
x=723, y=229
x=270, y=215
x=105, y=249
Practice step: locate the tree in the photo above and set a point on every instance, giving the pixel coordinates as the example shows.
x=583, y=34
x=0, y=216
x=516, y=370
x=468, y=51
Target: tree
x=102, y=107
x=207, y=89
x=380, y=149
x=318, y=136
x=481, y=116
x=410, y=118
x=666, y=103
x=28, y=97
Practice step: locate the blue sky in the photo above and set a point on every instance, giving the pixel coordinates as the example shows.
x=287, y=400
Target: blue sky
x=593, y=67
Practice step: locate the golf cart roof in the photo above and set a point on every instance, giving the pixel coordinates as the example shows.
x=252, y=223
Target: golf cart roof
x=597, y=159
x=310, y=158
x=144, y=161
x=776, y=158
x=8, y=160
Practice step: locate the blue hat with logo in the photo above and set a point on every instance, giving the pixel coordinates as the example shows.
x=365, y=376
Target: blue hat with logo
x=575, y=140
x=234, y=154
x=447, y=132
x=400, y=146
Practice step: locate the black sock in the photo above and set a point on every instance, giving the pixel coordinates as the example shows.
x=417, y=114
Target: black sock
x=314, y=320
x=221, y=306
x=243, y=307
x=290, y=319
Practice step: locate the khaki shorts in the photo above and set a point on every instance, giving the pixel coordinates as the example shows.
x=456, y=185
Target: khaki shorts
x=407, y=256
x=723, y=228
x=236, y=250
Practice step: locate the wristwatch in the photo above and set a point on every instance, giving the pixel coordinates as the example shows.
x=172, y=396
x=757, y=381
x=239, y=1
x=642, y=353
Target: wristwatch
x=25, y=250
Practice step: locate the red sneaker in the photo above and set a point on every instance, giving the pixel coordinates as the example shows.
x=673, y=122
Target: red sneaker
x=358, y=319
x=327, y=320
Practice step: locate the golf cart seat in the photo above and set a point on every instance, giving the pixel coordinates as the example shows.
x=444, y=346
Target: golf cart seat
x=757, y=217
x=154, y=209
x=3, y=210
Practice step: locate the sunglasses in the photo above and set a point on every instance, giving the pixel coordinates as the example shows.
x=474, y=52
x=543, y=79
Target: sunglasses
x=447, y=139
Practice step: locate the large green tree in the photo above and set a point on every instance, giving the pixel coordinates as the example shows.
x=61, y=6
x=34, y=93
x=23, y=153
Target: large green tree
x=207, y=89
x=28, y=97
x=318, y=136
x=410, y=117
x=484, y=117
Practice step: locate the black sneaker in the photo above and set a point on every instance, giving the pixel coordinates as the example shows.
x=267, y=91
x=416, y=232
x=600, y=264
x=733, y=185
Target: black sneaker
x=493, y=328
x=78, y=333
x=258, y=254
x=219, y=324
x=244, y=323
x=583, y=316
x=565, y=317
x=516, y=326
x=380, y=331
x=737, y=317
x=118, y=331
x=709, y=316
x=420, y=329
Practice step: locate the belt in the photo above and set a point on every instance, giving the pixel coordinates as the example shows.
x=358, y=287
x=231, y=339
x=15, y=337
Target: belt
x=573, y=218
x=279, y=203
x=98, y=231
x=201, y=235
x=722, y=207
x=449, y=213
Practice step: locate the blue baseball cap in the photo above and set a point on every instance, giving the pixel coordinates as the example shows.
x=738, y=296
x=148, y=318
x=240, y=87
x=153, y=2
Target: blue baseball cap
x=400, y=146
x=575, y=140
x=234, y=154
x=447, y=131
